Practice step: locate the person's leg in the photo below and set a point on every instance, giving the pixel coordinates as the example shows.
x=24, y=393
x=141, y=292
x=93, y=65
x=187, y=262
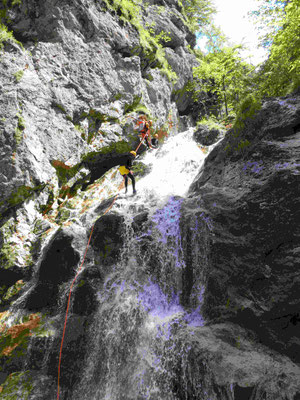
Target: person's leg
x=126, y=182
x=133, y=181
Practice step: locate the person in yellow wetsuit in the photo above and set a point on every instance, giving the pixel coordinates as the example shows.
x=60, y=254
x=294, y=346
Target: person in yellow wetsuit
x=125, y=170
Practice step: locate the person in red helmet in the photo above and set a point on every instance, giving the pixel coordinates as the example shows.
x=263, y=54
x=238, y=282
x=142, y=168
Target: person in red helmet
x=144, y=127
x=125, y=170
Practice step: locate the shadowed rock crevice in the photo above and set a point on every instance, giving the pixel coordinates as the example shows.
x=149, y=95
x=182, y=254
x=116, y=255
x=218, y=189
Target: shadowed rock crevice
x=59, y=261
x=243, y=393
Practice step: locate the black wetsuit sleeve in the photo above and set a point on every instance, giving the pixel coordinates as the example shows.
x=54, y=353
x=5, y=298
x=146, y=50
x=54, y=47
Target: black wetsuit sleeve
x=154, y=143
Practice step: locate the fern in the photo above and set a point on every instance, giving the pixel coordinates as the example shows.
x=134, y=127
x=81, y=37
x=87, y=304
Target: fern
x=5, y=36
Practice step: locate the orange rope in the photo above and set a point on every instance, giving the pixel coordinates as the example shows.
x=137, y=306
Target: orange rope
x=71, y=287
x=66, y=317
x=140, y=144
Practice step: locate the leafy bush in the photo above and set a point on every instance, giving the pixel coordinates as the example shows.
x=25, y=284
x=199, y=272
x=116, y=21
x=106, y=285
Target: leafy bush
x=197, y=13
x=5, y=36
x=224, y=75
x=212, y=122
x=247, y=109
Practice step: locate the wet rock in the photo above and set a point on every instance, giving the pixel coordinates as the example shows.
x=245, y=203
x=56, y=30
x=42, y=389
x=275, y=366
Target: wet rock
x=185, y=122
x=73, y=353
x=85, y=294
x=251, y=195
x=242, y=393
x=58, y=263
x=59, y=260
x=139, y=220
x=10, y=276
x=108, y=238
x=224, y=361
x=206, y=136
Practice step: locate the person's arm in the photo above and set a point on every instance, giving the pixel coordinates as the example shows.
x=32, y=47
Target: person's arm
x=129, y=163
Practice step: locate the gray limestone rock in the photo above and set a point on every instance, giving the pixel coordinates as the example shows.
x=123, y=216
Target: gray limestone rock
x=67, y=93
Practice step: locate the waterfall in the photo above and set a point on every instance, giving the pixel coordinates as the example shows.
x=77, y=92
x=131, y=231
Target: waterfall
x=174, y=167
x=134, y=340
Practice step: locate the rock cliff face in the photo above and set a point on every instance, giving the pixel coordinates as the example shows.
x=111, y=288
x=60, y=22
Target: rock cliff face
x=75, y=86
x=193, y=297
x=250, y=193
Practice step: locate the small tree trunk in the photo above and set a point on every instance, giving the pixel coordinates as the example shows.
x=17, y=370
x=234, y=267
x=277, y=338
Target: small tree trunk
x=225, y=98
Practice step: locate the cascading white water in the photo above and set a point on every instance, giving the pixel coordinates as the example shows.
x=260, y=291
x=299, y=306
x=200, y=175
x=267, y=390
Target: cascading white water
x=174, y=166
x=133, y=348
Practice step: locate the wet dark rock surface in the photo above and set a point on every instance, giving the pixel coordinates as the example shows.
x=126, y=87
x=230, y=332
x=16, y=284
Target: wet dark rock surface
x=252, y=198
x=108, y=238
x=58, y=263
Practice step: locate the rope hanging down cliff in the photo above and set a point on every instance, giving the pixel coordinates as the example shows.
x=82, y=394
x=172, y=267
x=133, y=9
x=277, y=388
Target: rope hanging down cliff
x=73, y=282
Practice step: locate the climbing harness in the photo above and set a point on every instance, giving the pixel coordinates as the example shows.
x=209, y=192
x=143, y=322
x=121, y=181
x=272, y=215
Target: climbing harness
x=73, y=282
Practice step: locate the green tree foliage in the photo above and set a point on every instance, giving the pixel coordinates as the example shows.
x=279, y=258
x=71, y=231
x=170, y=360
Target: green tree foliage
x=280, y=74
x=225, y=75
x=216, y=39
x=267, y=17
x=197, y=12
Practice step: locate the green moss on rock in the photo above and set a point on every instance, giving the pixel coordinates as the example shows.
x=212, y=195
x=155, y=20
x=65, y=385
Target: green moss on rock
x=130, y=11
x=17, y=386
x=137, y=106
x=95, y=119
x=13, y=290
x=5, y=34
x=140, y=169
x=8, y=255
x=19, y=129
x=64, y=172
x=19, y=75
x=22, y=193
x=63, y=215
x=116, y=147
